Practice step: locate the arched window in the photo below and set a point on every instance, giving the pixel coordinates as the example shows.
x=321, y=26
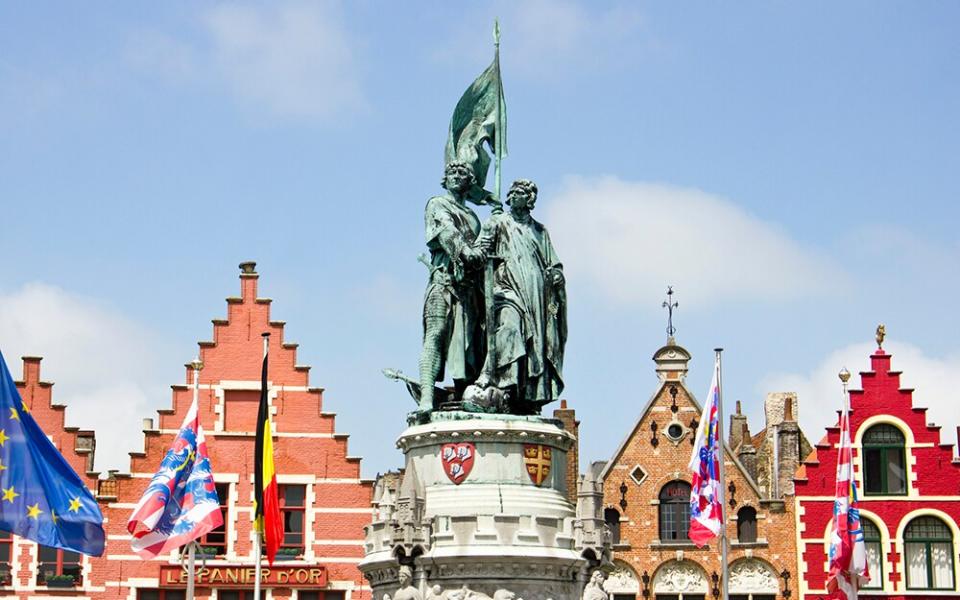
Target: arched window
x=675, y=512
x=928, y=543
x=611, y=517
x=884, y=461
x=871, y=539
x=747, y=525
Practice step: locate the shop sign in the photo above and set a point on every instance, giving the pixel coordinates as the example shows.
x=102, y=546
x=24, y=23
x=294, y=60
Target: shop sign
x=244, y=576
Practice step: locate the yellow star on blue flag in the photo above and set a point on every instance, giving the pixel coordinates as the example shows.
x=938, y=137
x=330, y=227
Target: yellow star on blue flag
x=43, y=499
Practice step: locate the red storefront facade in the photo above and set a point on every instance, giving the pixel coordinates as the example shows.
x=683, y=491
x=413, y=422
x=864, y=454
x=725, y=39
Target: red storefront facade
x=324, y=501
x=909, y=484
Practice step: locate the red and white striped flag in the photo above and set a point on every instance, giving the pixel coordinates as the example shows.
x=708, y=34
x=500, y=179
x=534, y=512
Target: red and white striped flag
x=848, y=555
x=706, y=494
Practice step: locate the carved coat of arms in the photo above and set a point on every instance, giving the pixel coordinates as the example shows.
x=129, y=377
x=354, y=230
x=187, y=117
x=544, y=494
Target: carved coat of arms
x=537, y=458
x=457, y=460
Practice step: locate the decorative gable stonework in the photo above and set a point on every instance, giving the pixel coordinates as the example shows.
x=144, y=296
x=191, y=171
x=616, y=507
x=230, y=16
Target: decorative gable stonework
x=909, y=484
x=644, y=513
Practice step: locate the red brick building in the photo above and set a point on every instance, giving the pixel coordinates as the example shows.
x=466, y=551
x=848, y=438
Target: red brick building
x=324, y=501
x=646, y=499
x=909, y=486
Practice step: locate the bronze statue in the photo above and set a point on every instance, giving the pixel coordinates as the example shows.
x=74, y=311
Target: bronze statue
x=529, y=303
x=453, y=303
x=494, y=312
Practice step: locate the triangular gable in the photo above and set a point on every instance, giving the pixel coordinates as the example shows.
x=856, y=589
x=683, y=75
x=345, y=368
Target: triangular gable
x=633, y=430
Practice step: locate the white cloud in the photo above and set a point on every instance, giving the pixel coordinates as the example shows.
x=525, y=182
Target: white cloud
x=819, y=391
x=628, y=240
x=292, y=60
x=103, y=365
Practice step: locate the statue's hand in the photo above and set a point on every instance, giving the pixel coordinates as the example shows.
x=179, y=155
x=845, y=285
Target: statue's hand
x=472, y=257
x=557, y=277
x=486, y=243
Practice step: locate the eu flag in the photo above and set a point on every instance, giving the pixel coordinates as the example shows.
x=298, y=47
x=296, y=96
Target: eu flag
x=41, y=497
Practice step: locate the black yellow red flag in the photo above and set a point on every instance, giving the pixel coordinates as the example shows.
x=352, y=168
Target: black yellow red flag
x=267, y=512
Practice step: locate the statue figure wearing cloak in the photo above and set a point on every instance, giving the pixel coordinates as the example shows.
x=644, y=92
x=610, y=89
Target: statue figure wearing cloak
x=530, y=306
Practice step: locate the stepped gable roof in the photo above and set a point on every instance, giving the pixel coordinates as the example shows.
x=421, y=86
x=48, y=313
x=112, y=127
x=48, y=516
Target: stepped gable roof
x=879, y=398
x=232, y=359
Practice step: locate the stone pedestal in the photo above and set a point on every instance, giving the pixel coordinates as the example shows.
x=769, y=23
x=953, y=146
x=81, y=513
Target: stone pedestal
x=482, y=504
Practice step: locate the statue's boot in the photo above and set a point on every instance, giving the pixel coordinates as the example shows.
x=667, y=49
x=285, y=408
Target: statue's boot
x=429, y=365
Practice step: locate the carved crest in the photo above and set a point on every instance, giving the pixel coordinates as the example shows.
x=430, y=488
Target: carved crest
x=537, y=458
x=457, y=460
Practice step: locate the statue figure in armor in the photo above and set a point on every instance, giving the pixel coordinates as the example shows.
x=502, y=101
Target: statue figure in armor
x=530, y=306
x=453, y=303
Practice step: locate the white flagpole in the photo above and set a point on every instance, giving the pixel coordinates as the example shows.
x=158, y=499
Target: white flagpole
x=191, y=548
x=256, y=579
x=259, y=538
x=723, y=482
x=191, y=569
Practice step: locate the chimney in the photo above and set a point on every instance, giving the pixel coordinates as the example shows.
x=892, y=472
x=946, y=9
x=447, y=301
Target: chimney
x=31, y=369
x=746, y=452
x=248, y=281
x=788, y=459
x=568, y=417
x=738, y=421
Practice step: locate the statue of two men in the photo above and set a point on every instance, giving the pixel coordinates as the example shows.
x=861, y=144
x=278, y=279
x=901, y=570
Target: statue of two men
x=520, y=356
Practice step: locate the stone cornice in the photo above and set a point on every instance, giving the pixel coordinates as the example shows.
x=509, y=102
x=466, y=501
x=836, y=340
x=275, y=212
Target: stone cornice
x=486, y=430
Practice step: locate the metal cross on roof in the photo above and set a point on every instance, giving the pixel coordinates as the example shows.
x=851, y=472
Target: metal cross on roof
x=669, y=304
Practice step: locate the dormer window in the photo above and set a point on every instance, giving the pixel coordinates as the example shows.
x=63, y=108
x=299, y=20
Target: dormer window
x=884, y=461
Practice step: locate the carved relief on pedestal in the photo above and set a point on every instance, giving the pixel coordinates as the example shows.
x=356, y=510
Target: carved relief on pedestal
x=680, y=577
x=752, y=576
x=622, y=580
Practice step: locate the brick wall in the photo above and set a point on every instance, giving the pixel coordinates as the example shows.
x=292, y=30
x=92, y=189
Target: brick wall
x=568, y=417
x=933, y=480
x=664, y=460
x=307, y=451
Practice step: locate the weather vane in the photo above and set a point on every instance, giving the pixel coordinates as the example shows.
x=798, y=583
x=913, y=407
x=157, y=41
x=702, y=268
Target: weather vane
x=881, y=333
x=669, y=304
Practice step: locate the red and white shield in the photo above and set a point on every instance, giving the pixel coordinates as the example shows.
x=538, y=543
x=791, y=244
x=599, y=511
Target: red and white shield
x=457, y=460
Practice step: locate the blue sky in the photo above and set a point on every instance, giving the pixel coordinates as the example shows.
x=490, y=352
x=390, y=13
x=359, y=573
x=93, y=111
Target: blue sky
x=790, y=169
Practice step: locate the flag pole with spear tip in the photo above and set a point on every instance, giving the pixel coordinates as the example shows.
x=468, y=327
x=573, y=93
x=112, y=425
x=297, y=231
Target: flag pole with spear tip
x=490, y=267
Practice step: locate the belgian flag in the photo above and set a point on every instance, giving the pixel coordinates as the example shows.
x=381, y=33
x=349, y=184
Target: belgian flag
x=267, y=511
